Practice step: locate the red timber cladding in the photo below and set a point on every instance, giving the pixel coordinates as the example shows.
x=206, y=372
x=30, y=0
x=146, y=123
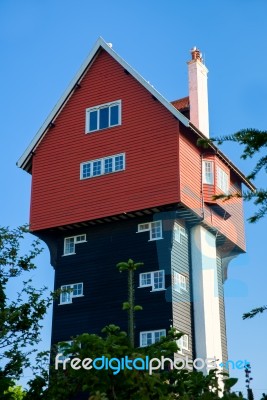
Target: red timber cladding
x=190, y=181
x=148, y=136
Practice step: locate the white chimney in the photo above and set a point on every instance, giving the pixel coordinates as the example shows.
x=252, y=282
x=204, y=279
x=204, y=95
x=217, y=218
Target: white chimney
x=198, y=92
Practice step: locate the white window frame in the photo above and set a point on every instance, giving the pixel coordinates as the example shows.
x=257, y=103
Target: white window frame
x=149, y=226
x=102, y=166
x=97, y=109
x=208, y=176
x=178, y=232
x=179, y=282
x=183, y=343
x=222, y=180
x=70, y=295
x=77, y=240
x=152, y=278
x=153, y=336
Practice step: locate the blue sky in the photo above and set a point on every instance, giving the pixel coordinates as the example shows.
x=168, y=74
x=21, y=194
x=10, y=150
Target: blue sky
x=43, y=43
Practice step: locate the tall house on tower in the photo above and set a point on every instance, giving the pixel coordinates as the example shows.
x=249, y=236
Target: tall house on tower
x=117, y=174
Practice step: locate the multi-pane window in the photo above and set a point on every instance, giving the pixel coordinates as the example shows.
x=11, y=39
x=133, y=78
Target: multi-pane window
x=108, y=165
x=97, y=168
x=70, y=291
x=178, y=232
x=119, y=162
x=146, y=279
x=158, y=280
x=155, y=279
x=154, y=228
x=102, y=166
x=222, y=180
x=150, y=337
x=183, y=343
x=179, y=282
x=103, y=116
x=208, y=174
x=70, y=242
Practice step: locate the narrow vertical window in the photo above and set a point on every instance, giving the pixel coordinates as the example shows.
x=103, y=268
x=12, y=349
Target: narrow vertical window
x=156, y=230
x=69, y=246
x=96, y=168
x=179, y=231
x=108, y=165
x=86, y=171
x=104, y=118
x=183, y=343
x=145, y=279
x=222, y=180
x=93, y=120
x=179, y=282
x=119, y=163
x=158, y=280
x=208, y=174
x=114, y=115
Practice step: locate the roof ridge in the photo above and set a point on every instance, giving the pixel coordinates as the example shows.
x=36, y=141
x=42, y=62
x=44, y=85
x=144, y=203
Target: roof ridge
x=25, y=159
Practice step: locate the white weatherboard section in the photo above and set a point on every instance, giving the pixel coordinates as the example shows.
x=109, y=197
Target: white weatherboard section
x=198, y=95
x=205, y=294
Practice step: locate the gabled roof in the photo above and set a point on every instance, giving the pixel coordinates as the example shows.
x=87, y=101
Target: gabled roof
x=25, y=160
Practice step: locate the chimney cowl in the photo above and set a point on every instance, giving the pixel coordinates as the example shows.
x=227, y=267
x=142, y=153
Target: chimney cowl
x=196, y=54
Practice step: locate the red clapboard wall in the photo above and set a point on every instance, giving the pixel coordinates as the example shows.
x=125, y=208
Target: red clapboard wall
x=148, y=135
x=191, y=191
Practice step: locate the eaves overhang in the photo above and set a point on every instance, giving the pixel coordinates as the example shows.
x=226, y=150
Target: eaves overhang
x=25, y=161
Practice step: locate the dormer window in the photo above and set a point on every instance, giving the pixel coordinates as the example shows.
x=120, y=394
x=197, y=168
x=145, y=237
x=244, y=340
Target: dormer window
x=103, y=116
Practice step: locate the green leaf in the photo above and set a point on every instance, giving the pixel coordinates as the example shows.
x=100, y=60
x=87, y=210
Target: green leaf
x=126, y=305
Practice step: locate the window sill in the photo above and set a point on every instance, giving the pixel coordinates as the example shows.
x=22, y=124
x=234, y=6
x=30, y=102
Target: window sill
x=104, y=174
x=153, y=290
x=88, y=132
x=69, y=254
x=142, y=287
x=71, y=302
x=152, y=240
